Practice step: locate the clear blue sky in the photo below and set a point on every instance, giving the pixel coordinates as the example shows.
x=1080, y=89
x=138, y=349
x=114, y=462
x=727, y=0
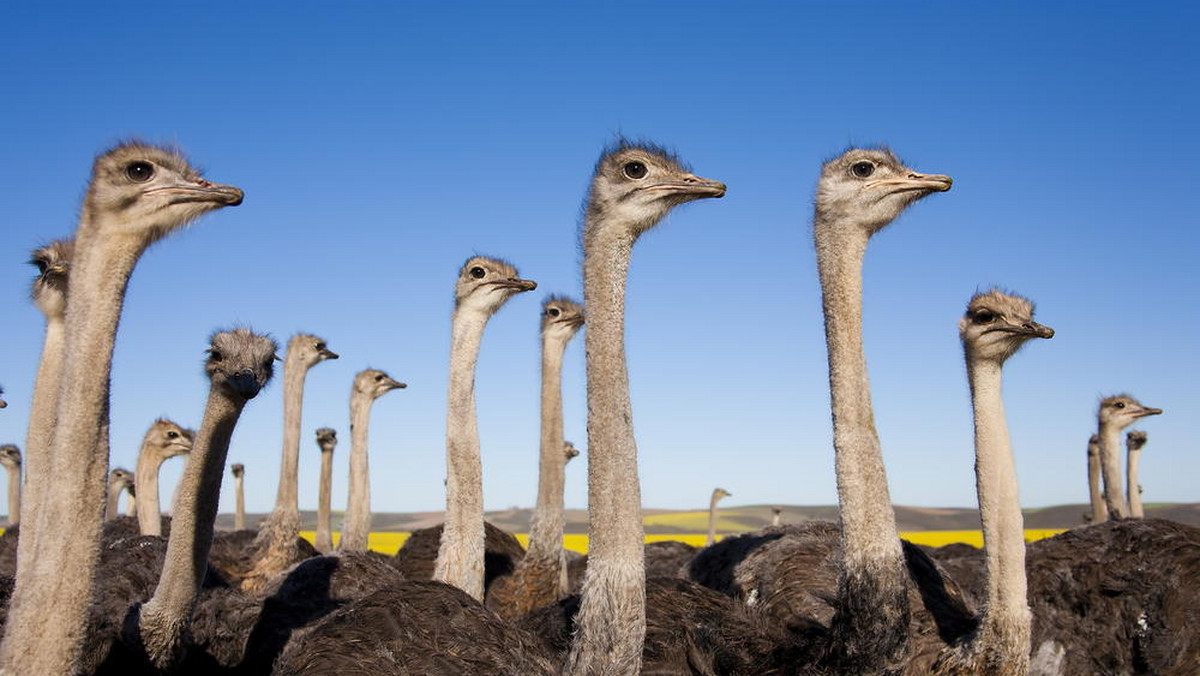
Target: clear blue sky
x=381, y=145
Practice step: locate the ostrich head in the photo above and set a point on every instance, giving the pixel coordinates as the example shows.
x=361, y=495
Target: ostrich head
x=2, y=402
x=240, y=362
x=238, y=470
x=997, y=324
x=721, y=494
x=870, y=187
x=484, y=284
x=636, y=184
x=168, y=439
x=10, y=456
x=375, y=383
x=570, y=451
x=121, y=479
x=1135, y=440
x=147, y=191
x=308, y=350
x=49, y=291
x=561, y=318
x=1121, y=410
x=326, y=439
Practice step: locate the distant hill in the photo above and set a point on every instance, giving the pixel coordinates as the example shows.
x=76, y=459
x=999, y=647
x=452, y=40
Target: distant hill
x=740, y=519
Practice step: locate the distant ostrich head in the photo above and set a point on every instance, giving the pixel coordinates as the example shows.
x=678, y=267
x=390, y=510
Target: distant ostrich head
x=309, y=350
x=1121, y=410
x=570, y=451
x=122, y=478
x=561, y=317
x=169, y=439
x=326, y=439
x=10, y=456
x=636, y=184
x=484, y=284
x=869, y=187
x=49, y=290
x=240, y=362
x=238, y=470
x=375, y=383
x=2, y=402
x=1136, y=439
x=721, y=494
x=149, y=191
x=997, y=324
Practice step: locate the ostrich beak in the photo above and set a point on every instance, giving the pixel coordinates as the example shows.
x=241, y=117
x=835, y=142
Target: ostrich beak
x=200, y=190
x=395, y=384
x=517, y=284
x=1148, y=411
x=916, y=181
x=328, y=354
x=1038, y=330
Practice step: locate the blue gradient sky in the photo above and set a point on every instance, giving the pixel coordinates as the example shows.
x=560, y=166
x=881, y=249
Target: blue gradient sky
x=380, y=146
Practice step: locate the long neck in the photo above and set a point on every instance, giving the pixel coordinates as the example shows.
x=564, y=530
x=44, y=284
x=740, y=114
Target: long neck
x=42, y=419
x=146, y=479
x=872, y=599
x=611, y=623
x=546, y=529
x=1099, y=509
x=131, y=505
x=239, y=513
x=1110, y=469
x=356, y=527
x=1005, y=632
x=1131, y=484
x=36, y=641
x=287, y=500
x=712, y=520
x=460, y=556
x=114, y=500
x=164, y=619
x=14, y=494
x=324, y=537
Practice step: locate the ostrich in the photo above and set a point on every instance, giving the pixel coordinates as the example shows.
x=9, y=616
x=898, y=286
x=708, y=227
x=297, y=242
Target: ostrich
x=718, y=494
x=119, y=480
x=994, y=327
x=776, y=515
x=540, y=577
x=1134, y=441
x=138, y=194
x=327, y=442
x=239, y=489
x=239, y=364
x=3, y=404
x=10, y=457
x=49, y=295
x=1099, y=510
x=277, y=545
x=483, y=286
x=163, y=440
x=1116, y=413
x=369, y=385
x=860, y=585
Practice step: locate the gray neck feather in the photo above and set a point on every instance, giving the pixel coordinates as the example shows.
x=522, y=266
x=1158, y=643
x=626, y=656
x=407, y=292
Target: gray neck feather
x=356, y=527
x=1110, y=469
x=323, y=540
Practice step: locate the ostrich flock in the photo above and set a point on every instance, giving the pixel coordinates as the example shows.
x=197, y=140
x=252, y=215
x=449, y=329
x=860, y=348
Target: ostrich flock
x=87, y=590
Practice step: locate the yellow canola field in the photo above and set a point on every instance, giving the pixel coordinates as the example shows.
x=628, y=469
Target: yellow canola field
x=389, y=543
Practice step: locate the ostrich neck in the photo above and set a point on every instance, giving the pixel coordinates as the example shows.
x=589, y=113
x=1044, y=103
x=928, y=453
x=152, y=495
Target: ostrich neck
x=546, y=529
x=712, y=520
x=356, y=529
x=1110, y=470
x=323, y=540
x=239, y=514
x=131, y=505
x=42, y=419
x=1006, y=625
x=165, y=617
x=14, y=495
x=1099, y=510
x=114, y=500
x=287, y=500
x=146, y=479
x=873, y=573
x=611, y=623
x=460, y=556
x=1131, y=484
x=38, y=642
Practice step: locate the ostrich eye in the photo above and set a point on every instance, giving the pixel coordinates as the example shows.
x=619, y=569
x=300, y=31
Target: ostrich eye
x=319, y=347
x=984, y=317
x=635, y=170
x=1119, y=404
x=554, y=312
x=862, y=169
x=41, y=264
x=214, y=355
x=172, y=434
x=478, y=272
x=379, y=378
x=139, y=172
